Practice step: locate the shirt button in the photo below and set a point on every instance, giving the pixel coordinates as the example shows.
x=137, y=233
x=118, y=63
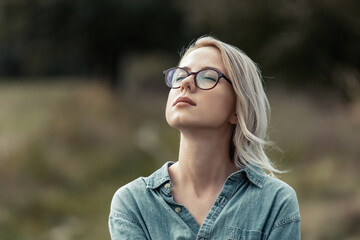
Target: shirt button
x=167, y=186
x=177, y=209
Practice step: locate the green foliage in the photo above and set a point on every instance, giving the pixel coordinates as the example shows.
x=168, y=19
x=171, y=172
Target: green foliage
x=302, y=44
x=65, y=149
x=81, y=37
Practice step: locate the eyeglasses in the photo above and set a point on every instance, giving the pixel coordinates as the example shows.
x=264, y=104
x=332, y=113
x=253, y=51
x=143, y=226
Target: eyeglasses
x=204, y=79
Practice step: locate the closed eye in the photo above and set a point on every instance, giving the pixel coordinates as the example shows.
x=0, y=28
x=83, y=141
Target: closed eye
x=179, y=79
x=209, y=78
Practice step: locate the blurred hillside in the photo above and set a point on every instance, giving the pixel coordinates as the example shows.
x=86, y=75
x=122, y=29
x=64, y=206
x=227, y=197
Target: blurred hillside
x=65, y=149
x=82, y=102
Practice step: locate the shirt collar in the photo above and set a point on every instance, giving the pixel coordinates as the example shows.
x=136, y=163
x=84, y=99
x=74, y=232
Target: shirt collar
x=161, y=176
x=254, y=174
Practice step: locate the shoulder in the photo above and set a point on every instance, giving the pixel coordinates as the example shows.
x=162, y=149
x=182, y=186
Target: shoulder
x=284, y=200
x=138, y=193
x=278, y=187
x=129, y=192
x=134, y=187
x=270, y=187
x=128, y=195
x=125, y=214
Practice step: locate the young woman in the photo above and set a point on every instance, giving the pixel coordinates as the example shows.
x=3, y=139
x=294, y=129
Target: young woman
x=222, y=186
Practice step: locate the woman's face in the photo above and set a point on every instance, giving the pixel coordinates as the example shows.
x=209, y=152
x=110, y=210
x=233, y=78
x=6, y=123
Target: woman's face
x=214, y=108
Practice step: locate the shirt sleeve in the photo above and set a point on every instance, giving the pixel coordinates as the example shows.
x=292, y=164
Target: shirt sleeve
x=289, y=230
x=123, y=227
x=123, y=219
x=287, y=224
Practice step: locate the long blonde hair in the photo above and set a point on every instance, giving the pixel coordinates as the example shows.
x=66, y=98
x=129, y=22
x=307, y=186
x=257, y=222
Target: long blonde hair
x=249, y=138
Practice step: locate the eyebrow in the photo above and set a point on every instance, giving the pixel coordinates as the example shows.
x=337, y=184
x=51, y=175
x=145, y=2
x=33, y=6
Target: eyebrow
x=206, y=67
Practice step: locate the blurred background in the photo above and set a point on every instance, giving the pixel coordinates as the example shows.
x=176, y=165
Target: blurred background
x=82, y=101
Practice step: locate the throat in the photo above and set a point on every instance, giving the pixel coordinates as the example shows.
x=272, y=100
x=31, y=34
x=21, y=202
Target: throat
x=198, y=206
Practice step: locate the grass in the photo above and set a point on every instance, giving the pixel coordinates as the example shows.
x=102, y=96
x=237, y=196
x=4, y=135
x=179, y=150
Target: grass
x=65, y=148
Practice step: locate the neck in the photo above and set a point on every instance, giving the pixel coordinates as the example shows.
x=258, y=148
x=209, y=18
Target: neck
x=204, y=162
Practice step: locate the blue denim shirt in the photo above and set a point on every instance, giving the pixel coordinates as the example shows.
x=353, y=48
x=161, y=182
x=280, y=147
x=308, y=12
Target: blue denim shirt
x=251, y=205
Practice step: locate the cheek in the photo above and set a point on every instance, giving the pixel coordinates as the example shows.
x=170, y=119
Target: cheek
x=221, y=109
x=170, y=100
x=221, y=103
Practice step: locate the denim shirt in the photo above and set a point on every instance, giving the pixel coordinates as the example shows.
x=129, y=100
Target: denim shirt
x=251, y=205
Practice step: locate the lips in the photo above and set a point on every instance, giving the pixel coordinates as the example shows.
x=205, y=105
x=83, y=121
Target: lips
x=184, y=99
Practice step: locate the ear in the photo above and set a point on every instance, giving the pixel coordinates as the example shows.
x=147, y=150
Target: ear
x=233, y=119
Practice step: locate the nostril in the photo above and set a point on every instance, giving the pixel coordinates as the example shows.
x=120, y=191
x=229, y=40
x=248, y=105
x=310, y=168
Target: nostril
x=188, y=84
x=188, y=81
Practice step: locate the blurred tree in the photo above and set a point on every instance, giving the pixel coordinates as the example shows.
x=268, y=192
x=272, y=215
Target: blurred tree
x=302, y=43
x=67, y=37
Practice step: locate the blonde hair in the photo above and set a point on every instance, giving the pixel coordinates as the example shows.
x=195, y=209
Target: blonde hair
x=249, y=138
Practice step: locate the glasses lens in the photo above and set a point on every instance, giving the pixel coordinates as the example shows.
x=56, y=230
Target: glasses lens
x=207, y=78
x=175, y=76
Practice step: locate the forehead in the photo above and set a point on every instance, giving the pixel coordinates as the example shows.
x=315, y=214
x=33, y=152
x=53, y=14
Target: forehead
x=203, y=57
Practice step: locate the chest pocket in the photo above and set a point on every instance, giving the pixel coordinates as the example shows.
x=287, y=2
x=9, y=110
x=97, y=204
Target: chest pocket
x=243, y=234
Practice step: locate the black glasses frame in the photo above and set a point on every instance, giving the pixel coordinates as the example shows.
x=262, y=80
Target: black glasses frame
x=220, y=75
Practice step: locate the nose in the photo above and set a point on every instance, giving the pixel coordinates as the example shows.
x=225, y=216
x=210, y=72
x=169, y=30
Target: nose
x=188, y=83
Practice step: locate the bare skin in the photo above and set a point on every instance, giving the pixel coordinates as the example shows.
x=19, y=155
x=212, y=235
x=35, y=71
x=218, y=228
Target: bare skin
x=205, y=132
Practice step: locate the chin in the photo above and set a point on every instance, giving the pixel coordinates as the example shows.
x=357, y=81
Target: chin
x=186, y=125
x=182, y=123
